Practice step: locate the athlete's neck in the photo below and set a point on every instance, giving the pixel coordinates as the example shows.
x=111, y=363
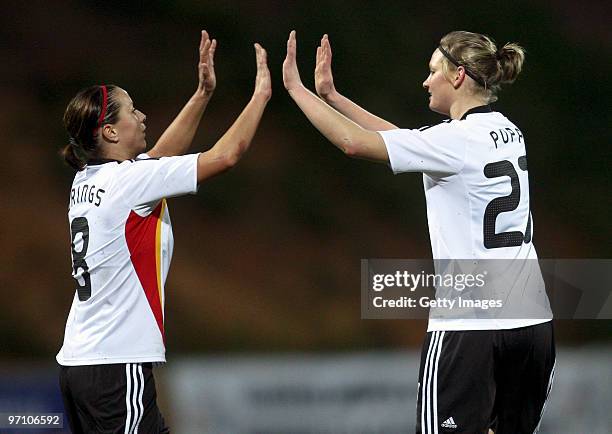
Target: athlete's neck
x=459, y=107
x=115, y=152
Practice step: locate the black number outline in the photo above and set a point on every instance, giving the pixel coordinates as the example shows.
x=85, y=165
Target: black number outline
x=80, y=225
x=491, y=239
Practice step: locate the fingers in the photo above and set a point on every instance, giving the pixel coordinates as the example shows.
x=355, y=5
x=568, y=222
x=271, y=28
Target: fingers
x=206, y=71
x=261, y=56
x=324, y=52
x=203, y=39
x=204, y=51
x=291, y=75
x=262, y=62
x=207, y=49
x=205, y=45
x=211, y=52
x=325, y=45
x=263, y=84
x=291, y=46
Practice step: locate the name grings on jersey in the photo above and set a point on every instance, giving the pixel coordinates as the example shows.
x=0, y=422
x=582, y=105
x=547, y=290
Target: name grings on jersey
x=86, y=194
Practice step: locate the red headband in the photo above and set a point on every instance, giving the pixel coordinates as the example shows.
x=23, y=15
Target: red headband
x=103, y=111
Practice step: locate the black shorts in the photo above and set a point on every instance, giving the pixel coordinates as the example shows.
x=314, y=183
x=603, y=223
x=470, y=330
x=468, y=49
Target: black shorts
x=470, y=381
x=118, y=398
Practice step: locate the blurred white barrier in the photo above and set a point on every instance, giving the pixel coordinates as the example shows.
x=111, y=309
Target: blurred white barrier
x=354, y=393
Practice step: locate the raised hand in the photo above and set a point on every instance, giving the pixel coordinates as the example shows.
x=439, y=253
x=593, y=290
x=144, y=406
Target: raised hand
x=263, y=83
x=324, y=80
x=206, y=65
x=291, y=75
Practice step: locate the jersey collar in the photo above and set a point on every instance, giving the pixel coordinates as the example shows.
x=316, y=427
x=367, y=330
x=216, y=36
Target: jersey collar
x=98, y=161
x=480, y=109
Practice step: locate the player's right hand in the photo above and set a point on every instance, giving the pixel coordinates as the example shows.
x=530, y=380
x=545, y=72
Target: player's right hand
x=291, y=74
x=263, y=82
x=324, y=80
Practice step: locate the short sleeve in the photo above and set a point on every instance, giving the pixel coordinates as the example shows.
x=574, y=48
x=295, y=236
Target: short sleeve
x=438, y=149
x=146, y=180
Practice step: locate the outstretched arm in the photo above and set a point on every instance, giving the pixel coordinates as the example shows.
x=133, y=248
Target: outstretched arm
x=236, y=141
x=345, y=134
x=178, y=137
x=324, y=84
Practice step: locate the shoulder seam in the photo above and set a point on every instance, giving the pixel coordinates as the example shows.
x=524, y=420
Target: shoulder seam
x=426, y=127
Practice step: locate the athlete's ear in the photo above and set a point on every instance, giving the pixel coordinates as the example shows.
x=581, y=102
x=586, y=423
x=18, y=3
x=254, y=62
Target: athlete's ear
x=109, y=133
x=458, y=77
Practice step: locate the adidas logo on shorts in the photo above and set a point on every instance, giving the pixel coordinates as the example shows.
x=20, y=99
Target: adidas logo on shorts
x=449, y=423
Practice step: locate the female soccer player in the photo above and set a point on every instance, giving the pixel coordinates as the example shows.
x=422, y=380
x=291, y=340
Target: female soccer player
x=475, y=374
x=121, y=239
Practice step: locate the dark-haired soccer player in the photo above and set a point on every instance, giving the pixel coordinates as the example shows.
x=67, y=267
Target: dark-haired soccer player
x=121, y=239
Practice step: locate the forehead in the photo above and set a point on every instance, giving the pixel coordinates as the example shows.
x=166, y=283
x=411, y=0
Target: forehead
x=123, y=97
x=436, y=57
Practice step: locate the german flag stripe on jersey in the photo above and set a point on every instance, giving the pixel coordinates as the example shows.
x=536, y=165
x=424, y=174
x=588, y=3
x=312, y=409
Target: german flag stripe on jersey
x=143, y=237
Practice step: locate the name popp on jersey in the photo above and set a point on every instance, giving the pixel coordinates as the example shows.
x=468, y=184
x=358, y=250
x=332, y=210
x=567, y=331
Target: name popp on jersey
x=86, y=194
x=506, y=135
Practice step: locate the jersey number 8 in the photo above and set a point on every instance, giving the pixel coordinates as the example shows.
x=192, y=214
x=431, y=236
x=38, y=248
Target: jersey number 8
x=80, y=226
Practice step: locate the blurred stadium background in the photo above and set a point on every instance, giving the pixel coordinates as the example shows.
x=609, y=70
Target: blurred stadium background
x=263, y=311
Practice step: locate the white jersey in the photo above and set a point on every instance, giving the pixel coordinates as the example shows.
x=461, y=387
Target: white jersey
x=477, y=192
x=121, y=239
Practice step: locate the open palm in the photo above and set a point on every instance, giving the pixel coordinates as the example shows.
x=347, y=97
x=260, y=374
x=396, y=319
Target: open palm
x=206, y=65
x=324, y=80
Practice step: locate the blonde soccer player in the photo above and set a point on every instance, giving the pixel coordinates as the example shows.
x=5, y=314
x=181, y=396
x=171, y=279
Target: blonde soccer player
x=475, y=373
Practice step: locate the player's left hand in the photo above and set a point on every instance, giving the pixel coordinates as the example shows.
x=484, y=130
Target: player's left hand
x=206, y=65
x=291, y=75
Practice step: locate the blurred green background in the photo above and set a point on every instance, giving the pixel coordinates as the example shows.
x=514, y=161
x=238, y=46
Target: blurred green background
x=267, y=256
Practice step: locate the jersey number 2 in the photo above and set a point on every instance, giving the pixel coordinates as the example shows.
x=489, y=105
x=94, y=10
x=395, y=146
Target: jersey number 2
x=80, y=226
x=493, y=240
